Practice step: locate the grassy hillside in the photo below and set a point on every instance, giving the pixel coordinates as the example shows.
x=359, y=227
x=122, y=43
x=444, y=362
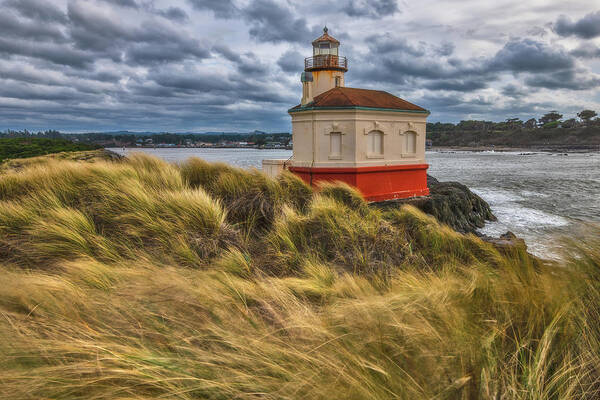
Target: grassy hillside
x=566, y=137
x=140, y=279
x=31, y=147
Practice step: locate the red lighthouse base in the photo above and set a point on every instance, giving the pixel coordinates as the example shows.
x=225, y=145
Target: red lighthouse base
x=375, y=183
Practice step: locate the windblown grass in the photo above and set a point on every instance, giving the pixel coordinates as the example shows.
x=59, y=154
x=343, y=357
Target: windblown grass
x=140, y=279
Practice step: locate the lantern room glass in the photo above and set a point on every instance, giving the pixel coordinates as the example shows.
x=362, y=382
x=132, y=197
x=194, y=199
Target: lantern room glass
x=325, y=48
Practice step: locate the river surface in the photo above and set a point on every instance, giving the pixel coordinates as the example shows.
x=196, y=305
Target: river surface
x=538, y=196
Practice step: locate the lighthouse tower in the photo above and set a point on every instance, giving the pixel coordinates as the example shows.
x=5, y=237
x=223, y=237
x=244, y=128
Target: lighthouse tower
x=369, y=139
x=324, y=70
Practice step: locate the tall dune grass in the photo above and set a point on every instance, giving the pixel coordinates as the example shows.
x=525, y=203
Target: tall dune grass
x=140, y=279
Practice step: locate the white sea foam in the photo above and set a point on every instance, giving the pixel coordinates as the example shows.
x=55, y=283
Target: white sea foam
x=529, y=193
x=524, y=217
x=505, y=205
x=526, y=222
x=496, y=196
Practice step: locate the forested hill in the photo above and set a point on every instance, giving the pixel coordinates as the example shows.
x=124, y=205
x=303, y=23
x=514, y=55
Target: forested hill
x=550, y=130
x=579, y=137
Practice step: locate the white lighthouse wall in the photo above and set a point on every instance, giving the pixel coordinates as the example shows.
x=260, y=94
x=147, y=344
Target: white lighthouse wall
x=402, y=138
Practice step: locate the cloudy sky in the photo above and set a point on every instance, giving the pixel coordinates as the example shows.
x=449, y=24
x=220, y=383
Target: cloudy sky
x=234, y=65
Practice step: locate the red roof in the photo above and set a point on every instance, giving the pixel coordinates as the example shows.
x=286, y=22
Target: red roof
x=345, y=97
x=325, y=38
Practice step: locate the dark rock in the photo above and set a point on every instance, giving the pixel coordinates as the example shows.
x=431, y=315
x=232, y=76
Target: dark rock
x=111, y=155
x=432, y=181
x=452, y=203
x=506, y=241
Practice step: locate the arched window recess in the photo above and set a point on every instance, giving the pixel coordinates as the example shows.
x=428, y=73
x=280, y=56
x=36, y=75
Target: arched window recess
x=409, y=143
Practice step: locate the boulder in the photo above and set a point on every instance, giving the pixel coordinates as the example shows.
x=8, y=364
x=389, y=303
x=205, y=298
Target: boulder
x=506, y=241
x=452, y=203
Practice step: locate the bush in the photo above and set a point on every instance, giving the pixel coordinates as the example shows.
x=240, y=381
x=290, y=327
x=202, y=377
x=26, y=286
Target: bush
x=252, y=199
x=108, y=211
x=32, y=147
x=551, y=125
x=357, y=239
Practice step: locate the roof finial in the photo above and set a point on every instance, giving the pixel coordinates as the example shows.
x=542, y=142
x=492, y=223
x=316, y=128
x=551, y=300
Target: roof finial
x=325, y=29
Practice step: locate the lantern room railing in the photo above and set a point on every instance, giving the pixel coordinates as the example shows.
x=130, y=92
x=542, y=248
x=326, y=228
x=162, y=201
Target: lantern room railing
x=325, y=61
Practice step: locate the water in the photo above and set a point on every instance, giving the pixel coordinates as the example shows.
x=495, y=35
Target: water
x=244, y=158
x=537, y=196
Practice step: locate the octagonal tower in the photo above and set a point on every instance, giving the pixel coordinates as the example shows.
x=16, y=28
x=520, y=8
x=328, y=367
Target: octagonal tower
x=325, y=69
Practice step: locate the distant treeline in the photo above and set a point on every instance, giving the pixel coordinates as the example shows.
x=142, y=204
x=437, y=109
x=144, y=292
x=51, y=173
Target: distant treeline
x=551, y=120
x=25, y=147
x=130, y=139
x=548, y=130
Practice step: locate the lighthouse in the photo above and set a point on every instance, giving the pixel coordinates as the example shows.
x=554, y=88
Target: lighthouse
x=369, y=139
x=324, y=70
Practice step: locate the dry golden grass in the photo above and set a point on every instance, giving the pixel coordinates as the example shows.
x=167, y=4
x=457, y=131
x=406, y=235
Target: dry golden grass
x=140, y=279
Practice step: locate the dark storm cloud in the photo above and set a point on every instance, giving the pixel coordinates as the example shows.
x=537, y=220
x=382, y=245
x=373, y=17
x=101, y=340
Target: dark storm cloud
x=568, y=79
x=95, y=31
x=152, y=52
x=452, y=101
x=93, y=82
x=247, y=63
x=221, y=8
x=86, y=33
x=15, y=90
x=10, y=26
x=108, y=64
x=394, y=59
x=232, y=85
x=446, y=49
x=586, y=50
x=40, y=10
x=423, y=65
x=587, y=27
x=173, y=13
x=370, y=8
x=291, y=61
x=459, y=85
x=227, y=53
x=527, y=55
x=272, y=22
x=123, y=3
x=150, y=42
x=515, y=91
x=47, y=51
x=387, y=43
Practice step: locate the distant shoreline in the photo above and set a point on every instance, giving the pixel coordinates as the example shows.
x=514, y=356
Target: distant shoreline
x=201, y=147
x=530, y=149
x=474, y=149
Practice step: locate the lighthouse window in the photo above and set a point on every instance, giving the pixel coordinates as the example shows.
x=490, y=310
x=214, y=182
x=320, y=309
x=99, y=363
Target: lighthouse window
x=324, y=48
x=337, y=81
x=335, y=145
x=375, y=144
x=411, y=142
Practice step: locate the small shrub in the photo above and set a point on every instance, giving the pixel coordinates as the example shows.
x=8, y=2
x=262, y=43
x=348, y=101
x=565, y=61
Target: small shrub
x=344, y=194
x=333, y=232
x=252, y=199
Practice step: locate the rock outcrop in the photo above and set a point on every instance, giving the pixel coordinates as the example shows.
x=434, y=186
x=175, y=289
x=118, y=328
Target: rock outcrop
x=506, y=242
x=452, y=203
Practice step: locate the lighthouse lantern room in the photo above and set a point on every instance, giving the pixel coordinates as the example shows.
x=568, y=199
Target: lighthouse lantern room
x=369, y=139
